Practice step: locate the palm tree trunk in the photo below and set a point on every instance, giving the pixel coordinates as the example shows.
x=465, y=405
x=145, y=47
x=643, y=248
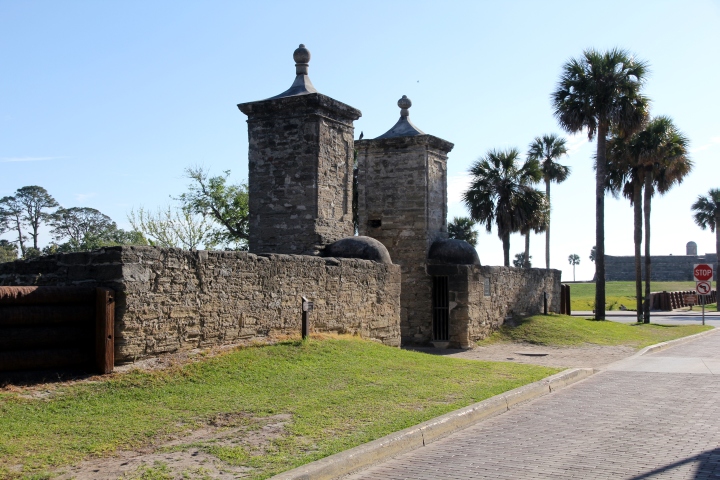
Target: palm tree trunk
x=600, y=174
x=506, y=248
x=717, y=253
x=637, y=221
x=648, y=268
x=526, y=260
x=547, y=231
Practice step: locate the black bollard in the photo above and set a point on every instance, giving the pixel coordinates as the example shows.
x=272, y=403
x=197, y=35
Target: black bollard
x=307, y=307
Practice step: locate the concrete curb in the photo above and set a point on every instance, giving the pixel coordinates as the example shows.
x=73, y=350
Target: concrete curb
x=427, y=432
x=662, y=346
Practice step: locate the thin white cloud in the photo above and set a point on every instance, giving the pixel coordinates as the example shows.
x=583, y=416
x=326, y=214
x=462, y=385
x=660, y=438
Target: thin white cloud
x=81, y=197
x=28, y=159
x=714, y=141
x=576, y=141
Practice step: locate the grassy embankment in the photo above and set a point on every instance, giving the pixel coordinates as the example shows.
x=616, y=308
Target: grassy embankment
x=582, y=295
x=563, y=330
x=336, y=394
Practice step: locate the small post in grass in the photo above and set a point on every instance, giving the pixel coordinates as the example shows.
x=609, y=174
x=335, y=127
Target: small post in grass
x=307, y=307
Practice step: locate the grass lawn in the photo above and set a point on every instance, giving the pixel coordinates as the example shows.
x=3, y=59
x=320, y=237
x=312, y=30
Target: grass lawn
x=582, y=295
x=563, y=330
x=335, y=393
x=710, y=307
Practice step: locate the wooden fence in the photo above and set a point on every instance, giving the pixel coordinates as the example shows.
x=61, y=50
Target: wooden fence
x=667, y=301
x=57, y=327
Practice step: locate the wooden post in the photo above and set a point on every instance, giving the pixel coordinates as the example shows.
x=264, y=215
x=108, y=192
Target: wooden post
x=567, y=300
x=105, y=330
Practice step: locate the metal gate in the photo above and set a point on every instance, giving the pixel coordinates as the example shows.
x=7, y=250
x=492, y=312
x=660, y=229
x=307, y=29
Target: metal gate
x=441, y=312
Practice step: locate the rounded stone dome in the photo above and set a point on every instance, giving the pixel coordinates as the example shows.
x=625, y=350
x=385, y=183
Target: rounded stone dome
x=365, y=248
x=301, y=54
x=453, y=251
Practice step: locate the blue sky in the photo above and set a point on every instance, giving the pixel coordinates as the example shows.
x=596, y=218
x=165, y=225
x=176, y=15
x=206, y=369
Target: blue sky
x=105, y=103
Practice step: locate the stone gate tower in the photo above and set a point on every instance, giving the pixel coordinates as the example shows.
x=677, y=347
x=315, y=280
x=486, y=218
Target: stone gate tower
x=402, y=202
x=300, y=167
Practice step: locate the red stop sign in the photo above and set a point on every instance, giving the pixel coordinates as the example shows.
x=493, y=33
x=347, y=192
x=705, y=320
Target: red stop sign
x=703, y=272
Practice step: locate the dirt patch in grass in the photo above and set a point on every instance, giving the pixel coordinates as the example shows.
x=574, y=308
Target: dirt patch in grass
x=191, y=456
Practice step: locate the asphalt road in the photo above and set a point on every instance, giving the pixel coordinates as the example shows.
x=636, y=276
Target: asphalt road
x=676, y=317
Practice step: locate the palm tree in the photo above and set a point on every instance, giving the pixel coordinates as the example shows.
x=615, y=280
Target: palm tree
x=625, y=175
x=663, y=150
x=520, y=262
x=547, y=150
x=574, y=259
x=461, y=228
x=654, y=158
x=707, y=214
x=598, y=92
x=538, y=223
x=499, y=194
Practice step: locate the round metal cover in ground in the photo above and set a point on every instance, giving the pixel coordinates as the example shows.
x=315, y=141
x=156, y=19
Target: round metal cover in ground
x=365, y=248
x=453, y=251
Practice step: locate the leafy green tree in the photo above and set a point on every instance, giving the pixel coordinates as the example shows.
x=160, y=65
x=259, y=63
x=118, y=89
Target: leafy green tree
x=35, y=202
x=8, y=251
x=226, y=204
x=77, y=223
x=11, y=219
x=520, y=260
x=461, y=228
x=574, y=259
x=547, y=150
x=600, y=92
x=32, y=252
x=707, y=215
x=593, y=254
x=174, y=227
x=85, y=229
x=498, y=194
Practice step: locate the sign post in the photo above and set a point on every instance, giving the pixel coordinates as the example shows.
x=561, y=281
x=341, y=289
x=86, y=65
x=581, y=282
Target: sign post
x=703, y=273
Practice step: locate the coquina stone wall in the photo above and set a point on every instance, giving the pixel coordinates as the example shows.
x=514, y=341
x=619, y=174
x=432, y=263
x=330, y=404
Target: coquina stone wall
x=402, y=197
x=170, y=300
x=482, y=297
x=665, y=268
x=300, y=162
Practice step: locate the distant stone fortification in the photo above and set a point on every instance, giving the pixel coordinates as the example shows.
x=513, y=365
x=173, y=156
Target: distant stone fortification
x=665, y=268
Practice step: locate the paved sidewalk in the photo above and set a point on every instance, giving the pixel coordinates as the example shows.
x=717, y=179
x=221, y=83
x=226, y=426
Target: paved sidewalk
x=656, y=416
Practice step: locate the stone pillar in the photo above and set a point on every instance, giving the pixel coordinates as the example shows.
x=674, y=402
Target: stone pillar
x=300, y=168
x=402, y=202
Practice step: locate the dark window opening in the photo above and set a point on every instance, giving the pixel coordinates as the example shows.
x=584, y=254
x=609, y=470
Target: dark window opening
x=375, y=223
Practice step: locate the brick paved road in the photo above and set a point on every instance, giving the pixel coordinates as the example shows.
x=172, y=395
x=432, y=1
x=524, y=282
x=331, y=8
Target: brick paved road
x=619, y=424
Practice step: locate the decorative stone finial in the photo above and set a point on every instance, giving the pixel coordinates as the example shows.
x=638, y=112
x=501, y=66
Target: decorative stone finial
x=404, y=103
x=302, y=84
x=404, y=127
x=302, y=57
